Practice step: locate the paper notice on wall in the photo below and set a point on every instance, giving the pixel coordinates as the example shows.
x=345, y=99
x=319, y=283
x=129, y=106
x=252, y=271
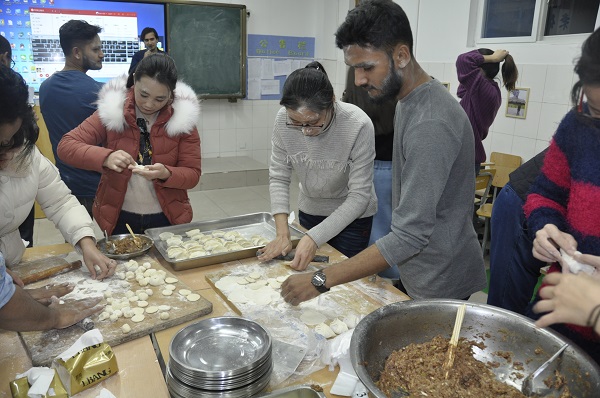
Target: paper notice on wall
x=267, y=69
x=282, y=68
x=254, y=88
x=299, y=63
x=269, y=87
x=254, y=68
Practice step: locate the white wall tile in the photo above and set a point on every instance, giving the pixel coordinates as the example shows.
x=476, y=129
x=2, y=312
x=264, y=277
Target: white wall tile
x=210, y=116
x=210, y=141
x=227, y=115
x=534, y=77
x=540, y=145
x=450, y=76
x=260, y=137
x=243, y=115
x=502, y=143
x=262, y=115
x=243, y=139
x=528, y=127
x=503, y=124
x=558, y=84
x=436, y=70
x=227, y=141
x=524, y=147
x=550, y=117
x=210, y=155
x=261, y=155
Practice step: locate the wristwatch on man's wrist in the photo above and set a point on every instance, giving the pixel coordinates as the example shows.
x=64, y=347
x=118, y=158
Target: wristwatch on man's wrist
x=318, y=281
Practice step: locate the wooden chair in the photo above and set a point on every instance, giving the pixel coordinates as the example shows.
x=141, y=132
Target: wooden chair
x=483, y=184
x=504, y=164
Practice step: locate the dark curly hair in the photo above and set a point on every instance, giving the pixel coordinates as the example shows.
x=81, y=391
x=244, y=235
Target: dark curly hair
x=309, y=87
x=13, y=106
x=381, y=24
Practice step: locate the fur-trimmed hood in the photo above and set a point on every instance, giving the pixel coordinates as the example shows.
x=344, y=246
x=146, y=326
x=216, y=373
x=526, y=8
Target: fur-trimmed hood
x=115, y=103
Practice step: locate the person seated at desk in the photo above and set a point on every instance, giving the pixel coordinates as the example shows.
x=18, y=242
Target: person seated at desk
x=331, y=146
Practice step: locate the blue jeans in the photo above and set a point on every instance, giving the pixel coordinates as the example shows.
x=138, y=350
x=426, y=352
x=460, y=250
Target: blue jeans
x=352, y=240
x=382, y=220
x=139, y=222
x=514, y=271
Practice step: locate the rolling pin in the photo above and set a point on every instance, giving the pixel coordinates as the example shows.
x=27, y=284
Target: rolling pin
x=47, y=273
x=290, y=256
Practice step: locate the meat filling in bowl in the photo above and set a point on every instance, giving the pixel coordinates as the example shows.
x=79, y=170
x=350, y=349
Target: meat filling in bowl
x=418, y=369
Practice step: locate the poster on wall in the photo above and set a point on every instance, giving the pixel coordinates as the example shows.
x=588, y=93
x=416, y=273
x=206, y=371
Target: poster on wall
x=516, y=104
x=271, y=59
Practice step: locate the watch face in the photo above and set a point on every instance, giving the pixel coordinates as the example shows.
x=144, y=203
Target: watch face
x=318, y=279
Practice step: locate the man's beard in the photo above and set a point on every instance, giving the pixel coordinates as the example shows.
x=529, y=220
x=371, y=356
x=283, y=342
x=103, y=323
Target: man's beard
x=390, y=87
x=87, y=65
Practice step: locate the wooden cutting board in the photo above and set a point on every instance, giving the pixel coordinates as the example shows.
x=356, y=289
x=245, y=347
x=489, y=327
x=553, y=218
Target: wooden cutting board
x=340, y=301
x=43, y=347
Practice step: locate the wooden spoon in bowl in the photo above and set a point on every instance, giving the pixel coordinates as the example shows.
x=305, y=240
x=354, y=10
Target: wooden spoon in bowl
x=137, y=240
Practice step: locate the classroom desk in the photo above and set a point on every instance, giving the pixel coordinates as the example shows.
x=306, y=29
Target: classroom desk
x=139, y=370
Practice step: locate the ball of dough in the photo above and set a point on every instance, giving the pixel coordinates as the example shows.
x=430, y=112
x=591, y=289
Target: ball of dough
x=171, y=280
x=126, y=328
x=184, y=292
x=142, y=303
x=164, y=315
x=142, y=296
x=151, y=310
x=167, y=292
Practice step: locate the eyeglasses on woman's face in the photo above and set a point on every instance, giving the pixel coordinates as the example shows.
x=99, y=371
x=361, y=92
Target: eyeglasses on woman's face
x=308, y=122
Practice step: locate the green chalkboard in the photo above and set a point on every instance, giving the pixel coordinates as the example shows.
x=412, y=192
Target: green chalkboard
x=208, y=43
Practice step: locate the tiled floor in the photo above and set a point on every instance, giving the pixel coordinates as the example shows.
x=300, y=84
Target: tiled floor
x=207, y=205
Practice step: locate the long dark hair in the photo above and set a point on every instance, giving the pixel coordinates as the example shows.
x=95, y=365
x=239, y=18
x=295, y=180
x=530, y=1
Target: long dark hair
x=308, y=87
x=587, y=68
x=510, y=73
x=13, y=105
x=159, y=67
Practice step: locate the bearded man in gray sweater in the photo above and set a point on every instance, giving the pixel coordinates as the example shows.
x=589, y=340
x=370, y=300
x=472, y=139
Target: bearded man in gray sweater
x=432, y=241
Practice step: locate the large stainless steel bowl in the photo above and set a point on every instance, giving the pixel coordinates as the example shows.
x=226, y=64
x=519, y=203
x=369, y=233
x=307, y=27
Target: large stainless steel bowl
x=397, y=325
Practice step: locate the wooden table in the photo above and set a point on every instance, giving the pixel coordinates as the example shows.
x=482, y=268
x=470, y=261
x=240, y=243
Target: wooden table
x=139, y=370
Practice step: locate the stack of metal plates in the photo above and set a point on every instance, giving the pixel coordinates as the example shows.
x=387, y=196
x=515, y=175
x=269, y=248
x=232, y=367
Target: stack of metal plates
x=225, y=357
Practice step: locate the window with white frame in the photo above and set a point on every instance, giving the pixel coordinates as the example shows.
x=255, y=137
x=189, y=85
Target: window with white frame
x=533, y=20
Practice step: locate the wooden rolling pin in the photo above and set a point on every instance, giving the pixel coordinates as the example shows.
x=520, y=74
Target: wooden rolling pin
x=47, y=273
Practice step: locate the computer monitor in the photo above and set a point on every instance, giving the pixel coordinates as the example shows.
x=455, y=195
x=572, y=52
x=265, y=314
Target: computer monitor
x=31, y=26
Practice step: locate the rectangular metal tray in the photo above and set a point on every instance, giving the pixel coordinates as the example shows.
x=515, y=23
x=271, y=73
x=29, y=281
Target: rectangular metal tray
x=247, y=225
x=294, y=392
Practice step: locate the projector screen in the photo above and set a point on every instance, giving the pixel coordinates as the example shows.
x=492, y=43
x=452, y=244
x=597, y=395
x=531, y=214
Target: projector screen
x=31, y=26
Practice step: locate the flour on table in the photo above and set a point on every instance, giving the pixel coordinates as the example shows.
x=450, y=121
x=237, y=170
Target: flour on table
x=311, y=317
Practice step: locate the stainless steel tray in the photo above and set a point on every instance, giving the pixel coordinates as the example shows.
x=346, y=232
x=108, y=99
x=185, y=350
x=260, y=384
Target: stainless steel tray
x=293, y=392
x=247, y=225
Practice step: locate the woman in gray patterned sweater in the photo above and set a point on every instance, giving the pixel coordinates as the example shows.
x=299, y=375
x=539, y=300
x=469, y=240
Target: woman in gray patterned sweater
x=331, y=147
